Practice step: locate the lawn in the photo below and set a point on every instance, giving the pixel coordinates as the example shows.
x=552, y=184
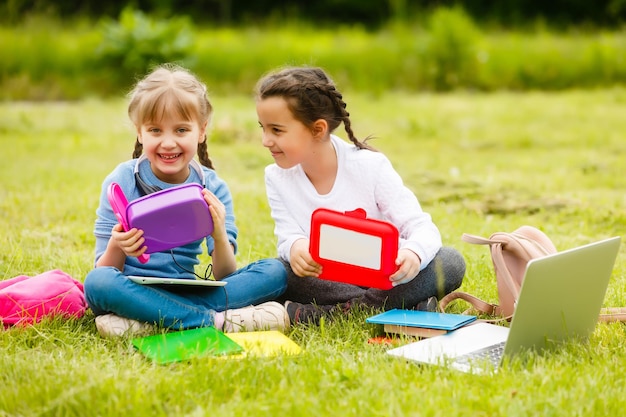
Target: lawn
x=478, y=163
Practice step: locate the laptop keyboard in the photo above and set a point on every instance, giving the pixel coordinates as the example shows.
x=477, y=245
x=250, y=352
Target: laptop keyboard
x=492, y=354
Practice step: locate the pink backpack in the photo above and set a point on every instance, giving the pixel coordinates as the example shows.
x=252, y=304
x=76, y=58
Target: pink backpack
x=26, y=300
x=510, y=253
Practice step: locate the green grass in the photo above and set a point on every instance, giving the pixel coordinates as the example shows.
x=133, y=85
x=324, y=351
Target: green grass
x=478, y=164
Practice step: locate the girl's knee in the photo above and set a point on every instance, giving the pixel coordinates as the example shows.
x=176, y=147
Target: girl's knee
x=276, y=270
x=448, y=269
x=453, y=265
x=100, y=279
x=272, y=270
x=272, y=265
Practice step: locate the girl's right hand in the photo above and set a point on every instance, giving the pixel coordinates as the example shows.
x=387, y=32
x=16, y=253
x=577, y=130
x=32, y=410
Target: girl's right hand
x=218, y=215
x=131, y=242
x=302, y=263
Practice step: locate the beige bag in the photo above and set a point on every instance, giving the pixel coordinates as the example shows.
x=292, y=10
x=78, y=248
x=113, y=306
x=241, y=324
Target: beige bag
x=510, y=253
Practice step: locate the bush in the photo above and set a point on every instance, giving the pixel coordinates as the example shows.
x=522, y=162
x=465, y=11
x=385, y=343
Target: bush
x=452, y=48
x=51, y=60
x=137, y=42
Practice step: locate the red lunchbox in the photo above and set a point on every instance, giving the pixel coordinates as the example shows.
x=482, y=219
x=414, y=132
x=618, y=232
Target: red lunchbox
x=354, y=249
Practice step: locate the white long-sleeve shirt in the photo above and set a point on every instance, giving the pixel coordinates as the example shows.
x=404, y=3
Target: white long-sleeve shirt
x=365, y=179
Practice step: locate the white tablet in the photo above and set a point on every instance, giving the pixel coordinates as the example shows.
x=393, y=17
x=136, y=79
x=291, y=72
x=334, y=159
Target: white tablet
x=176, y=281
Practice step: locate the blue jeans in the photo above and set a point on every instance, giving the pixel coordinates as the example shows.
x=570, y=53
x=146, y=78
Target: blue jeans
x=107, y=290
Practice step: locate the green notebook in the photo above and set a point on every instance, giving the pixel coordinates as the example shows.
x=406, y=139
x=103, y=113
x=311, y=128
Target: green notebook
x=186, y=344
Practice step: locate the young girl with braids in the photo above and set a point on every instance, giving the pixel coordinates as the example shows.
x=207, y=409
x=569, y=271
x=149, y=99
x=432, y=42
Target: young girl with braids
x=171, y=111
x=298, y=110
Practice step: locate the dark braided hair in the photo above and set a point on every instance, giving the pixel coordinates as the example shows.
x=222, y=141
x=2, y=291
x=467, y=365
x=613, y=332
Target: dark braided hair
x=311, y=95
x=170, y=88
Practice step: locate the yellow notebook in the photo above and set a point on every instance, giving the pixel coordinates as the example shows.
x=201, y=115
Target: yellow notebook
x=264, y=343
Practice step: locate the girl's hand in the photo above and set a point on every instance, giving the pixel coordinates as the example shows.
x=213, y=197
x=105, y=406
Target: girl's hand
x=218, y=214
x=302, y=263
x=409, y=264
x=131, y=242
x=223, y=255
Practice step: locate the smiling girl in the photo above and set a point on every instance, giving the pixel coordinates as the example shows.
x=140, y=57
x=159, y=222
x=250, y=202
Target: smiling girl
x=171, y=112
x=298, y=110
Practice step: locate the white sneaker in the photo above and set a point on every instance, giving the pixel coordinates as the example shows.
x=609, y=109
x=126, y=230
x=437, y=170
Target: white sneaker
x=266, y=316
x=110, y=325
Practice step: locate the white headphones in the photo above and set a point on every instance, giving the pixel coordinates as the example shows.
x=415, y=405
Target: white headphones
x=145, y=188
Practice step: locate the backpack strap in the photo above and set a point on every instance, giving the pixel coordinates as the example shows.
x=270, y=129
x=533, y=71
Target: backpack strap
x=526, y=247
x=495, y=248
x=478, y=304
x=478, y=240
x=503, y=273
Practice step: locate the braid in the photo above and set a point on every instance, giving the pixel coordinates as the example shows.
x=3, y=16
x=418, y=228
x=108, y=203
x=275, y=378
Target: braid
x=203, y=155
x=344, y=116
x=138, y=149
x=311, y=95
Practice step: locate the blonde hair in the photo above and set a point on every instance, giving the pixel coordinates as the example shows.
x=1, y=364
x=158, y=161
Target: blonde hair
x=170, y=89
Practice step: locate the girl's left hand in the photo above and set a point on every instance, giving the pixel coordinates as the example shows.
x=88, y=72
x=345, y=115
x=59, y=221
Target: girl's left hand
x=218, y=214
x=409, y=264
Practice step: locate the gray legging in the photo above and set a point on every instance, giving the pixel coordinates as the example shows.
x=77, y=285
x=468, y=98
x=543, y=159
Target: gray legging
x=443, y=275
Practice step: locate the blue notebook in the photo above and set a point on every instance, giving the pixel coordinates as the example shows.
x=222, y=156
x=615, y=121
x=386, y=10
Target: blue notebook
x=425, y=319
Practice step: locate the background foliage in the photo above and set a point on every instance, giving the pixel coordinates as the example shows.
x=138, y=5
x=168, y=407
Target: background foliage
x=44, y=58
x=371, y=13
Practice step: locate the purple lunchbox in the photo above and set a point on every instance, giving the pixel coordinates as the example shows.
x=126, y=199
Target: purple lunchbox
x=169, y=218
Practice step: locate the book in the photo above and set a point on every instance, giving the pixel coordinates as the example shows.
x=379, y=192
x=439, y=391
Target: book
x=420, y=323
x=413, y=331
x=186, y=344
x=265, y=343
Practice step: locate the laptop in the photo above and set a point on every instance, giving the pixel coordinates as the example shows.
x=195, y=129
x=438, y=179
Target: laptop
x=560, y=300
x=176, y=281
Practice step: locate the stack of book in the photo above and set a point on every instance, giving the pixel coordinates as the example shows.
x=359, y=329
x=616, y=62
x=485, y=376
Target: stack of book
x=419, y=323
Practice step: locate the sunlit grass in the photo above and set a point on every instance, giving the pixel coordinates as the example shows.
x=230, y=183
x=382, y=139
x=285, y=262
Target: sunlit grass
x=478, y=163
